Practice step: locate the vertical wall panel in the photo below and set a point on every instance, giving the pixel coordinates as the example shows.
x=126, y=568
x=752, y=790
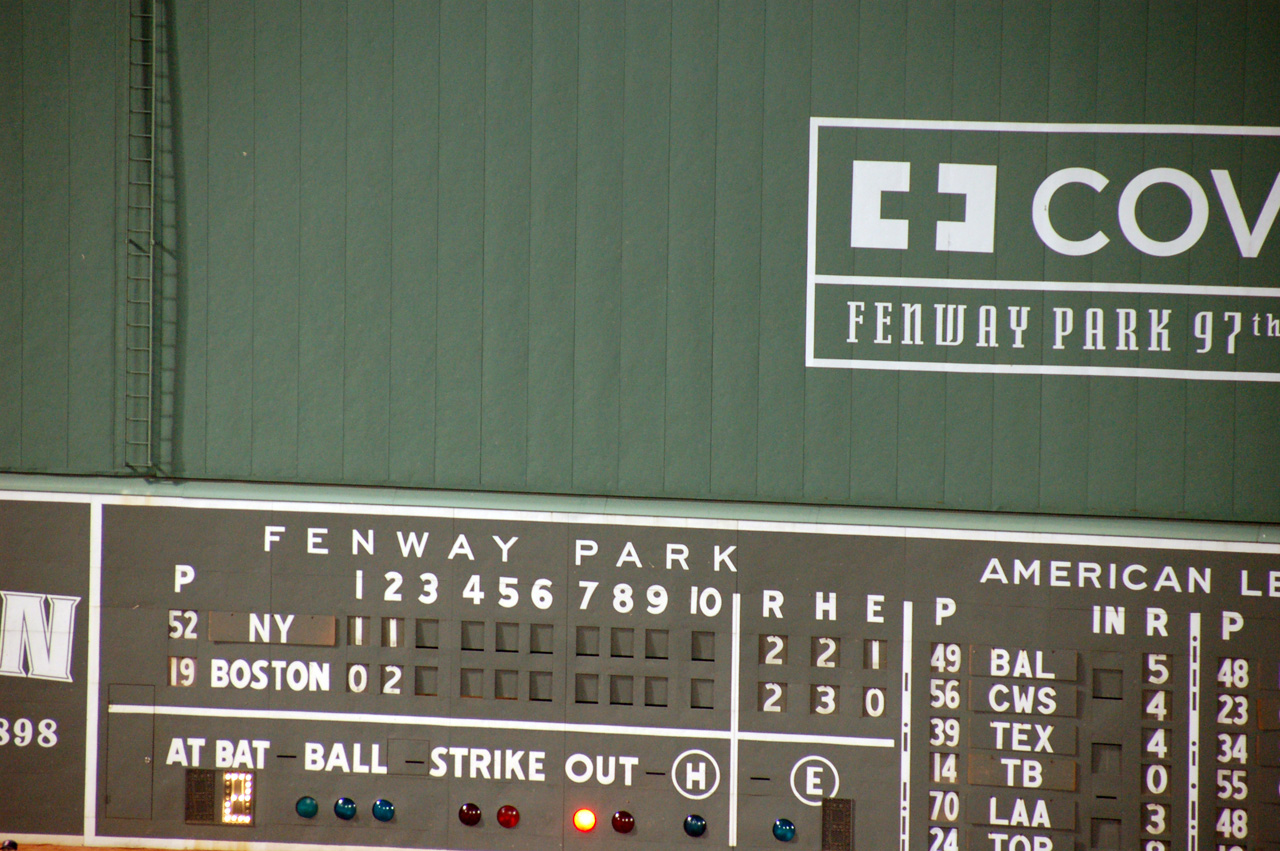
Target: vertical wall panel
x=1257, y=440
x=788, y=42
x=1023, y=29
x=231, y=194
x=95, y=75
x=368, y=263
x=691, y=237
x=415, y=163
x=735, y=377
x=504, y=400
x=191, y=190
x=975, y=88
x=829, y=399
x=885, y=406
x=1211, y=405
x=1162, y=416
x=46, y=94
x=599, y=250
x=275, y=317
x=461, y=255
x=322, y=242
x=12, y=166
x=645, y=183
x=924, y=52
x=552, y=236
x=1071, y=92
x=1113, y=402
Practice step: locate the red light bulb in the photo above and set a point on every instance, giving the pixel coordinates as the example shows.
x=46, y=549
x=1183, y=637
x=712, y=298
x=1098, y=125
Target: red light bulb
x=508, y=816
x=469, y=814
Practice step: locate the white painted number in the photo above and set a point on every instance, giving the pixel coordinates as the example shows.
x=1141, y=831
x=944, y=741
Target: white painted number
x=944, y=768
x=657, y=597
x=622, y=601
x=1233, y=709
x=944, y=839
x=873, y=702
x=945, y=658
x=182, y=671
x=823, y=659
x=824, y=700
x=944, y=694
x=777, y=645
x=472, y=592
x=541, y=594
x=707, y=602
x=771, y=702
x=177, y=629
x=44, y=732
x=1233, y=823
x=391, y=679
x=1233, y=784
x=588, y=587
x=394, y=581
x=1157, y=668
x=1157, y=818
x=943, y=806
x=508, y=595
x=1233, y=747
x=1234, y=673
x=357, y=678
x=430, y=588
x=1157, y=743
x=1155, y=779
x=1157, y=705
x=944, y=732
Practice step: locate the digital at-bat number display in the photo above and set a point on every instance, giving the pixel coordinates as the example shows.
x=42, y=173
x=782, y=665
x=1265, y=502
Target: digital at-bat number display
x=968, y=699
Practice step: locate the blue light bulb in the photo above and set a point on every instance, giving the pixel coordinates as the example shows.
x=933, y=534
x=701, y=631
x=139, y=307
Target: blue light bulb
x=344, y=808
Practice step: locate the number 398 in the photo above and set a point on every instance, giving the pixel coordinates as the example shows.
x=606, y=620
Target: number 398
x=23, y=731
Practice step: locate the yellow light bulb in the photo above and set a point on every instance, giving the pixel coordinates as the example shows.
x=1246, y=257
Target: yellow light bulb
x=584, y=820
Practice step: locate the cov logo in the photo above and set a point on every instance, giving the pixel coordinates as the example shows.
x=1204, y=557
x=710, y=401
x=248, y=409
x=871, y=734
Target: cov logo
x=977, y=184
x=36, y=635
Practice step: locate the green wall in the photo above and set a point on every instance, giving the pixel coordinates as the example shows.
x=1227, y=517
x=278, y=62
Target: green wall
x=60, y=67
x=559, y=247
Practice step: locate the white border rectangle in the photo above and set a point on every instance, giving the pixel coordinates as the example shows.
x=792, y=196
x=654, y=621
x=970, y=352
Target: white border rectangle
x=813, y=278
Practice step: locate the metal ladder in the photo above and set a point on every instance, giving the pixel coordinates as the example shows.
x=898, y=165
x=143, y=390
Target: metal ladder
x=140, y=242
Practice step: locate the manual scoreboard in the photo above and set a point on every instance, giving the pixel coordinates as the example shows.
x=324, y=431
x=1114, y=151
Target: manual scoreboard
x=228, y=672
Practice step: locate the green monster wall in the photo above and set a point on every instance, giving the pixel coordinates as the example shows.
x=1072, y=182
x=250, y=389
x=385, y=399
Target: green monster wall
x=558, y=247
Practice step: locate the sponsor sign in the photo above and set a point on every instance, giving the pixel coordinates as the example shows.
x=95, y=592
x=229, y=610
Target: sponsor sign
x=1046, y=249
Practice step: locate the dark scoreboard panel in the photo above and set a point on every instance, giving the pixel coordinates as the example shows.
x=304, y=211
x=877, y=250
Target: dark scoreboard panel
x=437, y=678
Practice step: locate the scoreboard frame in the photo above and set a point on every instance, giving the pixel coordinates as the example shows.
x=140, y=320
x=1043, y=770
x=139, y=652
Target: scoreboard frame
x=1005, y=701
